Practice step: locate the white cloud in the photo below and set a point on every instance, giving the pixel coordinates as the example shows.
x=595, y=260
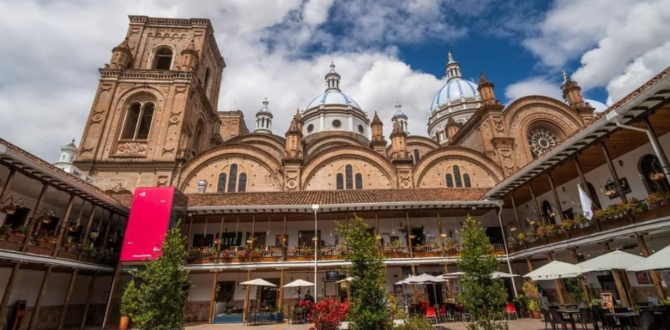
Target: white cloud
x=52, y=50
x=534, y=86
x=620, y=45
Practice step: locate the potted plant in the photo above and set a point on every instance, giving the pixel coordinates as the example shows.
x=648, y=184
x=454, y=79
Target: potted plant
x=129, y=305
x=522, y=302
x=511, y=241
x=533, y=298
x=451, y=246
x=657, y=176
x=280, y=313
x=6, y=229
x=21, y=231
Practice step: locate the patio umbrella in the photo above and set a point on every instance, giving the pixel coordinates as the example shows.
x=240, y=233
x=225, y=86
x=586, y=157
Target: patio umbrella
x=555, y=270
x=258, y=282
x=298, y=283
x=424, y=279
x=503, y=275
x=656, y=261
x=452, y=275
x=405, y=281
x=348, y=279
x=609, y=261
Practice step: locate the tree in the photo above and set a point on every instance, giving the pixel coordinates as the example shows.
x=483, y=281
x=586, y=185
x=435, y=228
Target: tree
x=163, y=288
x=483, y=296
x=368, y=306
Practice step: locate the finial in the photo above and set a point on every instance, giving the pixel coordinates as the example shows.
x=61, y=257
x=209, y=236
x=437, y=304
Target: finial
x=450, y=56
x=265, y=104
x=332, y=66
x=73, y=141
x=566, y=78
x=398, y=105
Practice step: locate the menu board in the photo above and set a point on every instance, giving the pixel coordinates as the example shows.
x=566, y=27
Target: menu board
x=607, y=301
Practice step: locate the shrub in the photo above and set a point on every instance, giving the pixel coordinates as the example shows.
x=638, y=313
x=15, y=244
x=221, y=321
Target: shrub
x=328, y=314
x=415, y=323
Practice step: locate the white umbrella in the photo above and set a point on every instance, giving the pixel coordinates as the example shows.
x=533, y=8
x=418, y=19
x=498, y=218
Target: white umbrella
x=425, y=278
x=555, y=270
x=503, y=275
x=610, y=261
x=348, y=279
x=405, y=281
x=298, y=283
x=452, y=275
x=258, y=282
x=658, y=260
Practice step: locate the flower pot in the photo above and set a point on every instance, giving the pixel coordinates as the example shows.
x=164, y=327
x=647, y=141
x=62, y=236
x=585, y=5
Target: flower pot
x=123, y=323
x=537, y=314
x=280, y=317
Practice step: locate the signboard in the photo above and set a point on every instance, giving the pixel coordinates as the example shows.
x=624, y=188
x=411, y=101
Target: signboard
x=153, y=212
x=607, y=301
x=332, y=275
x=611, y=186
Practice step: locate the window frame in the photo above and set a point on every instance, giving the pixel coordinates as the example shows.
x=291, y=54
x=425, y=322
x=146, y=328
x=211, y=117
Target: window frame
x=140, y=115
x=156, y=56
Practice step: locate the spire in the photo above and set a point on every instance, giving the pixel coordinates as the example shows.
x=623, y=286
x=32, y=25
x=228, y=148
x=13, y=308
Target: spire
x=265, y=105
x=376, y=120
x=482, y=79
x=294, y=128
x=566, y=77
x=453, y=68
x=332, y=79
x=400, y=117
x=123, y=45
x=485, y=89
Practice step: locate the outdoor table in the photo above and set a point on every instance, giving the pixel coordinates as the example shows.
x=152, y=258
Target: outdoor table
x=569, y=312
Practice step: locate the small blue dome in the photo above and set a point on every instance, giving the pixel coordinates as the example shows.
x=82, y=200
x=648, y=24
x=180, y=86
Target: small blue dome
x=332, y=96
x=455, y=90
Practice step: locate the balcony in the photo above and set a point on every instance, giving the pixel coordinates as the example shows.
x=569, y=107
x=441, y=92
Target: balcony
x=613, y=217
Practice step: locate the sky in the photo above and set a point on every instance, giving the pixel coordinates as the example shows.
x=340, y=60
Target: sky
x=386, y=51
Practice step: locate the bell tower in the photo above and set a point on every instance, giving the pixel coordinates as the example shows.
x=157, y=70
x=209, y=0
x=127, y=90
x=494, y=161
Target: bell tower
x=156, y=104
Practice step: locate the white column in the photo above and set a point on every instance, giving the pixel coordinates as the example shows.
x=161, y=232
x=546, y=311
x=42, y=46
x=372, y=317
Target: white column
x=322, y=121
x=351, y=123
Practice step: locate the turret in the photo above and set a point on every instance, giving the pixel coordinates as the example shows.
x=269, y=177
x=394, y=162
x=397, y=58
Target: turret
x=264, y=119
x=189, y=58
x=332, y=79
x=399, y=144
x=400, y=117
x=572, y=94
x=377, y=142
x=452, y=128
x=486, y=92
x=453, y=68
x=121, y=56
x=293, y=142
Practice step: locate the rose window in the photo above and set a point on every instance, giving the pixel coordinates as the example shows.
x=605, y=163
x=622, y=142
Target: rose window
x=541, y=140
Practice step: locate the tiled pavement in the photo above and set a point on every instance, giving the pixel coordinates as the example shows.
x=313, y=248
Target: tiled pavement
x=522, y=324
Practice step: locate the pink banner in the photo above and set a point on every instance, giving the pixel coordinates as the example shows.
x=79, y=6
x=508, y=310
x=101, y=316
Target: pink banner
x=148, y=223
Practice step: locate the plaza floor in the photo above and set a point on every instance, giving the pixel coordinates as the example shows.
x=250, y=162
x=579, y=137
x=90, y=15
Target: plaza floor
x=522, y=324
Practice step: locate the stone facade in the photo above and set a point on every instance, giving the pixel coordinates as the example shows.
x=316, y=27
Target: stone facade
x=189, y=140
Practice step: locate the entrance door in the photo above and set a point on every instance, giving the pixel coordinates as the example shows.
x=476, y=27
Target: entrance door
x=224, y=297
x=269, y=296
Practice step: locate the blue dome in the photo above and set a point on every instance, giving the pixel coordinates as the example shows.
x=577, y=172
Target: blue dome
x=454, y=91
x=332, y=96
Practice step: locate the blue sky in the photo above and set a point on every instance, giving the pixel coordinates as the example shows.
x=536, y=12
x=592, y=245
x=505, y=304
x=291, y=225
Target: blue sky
x=385, y=50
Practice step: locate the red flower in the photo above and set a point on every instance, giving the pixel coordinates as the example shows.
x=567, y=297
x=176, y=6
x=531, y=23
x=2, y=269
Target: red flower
x=328, y=314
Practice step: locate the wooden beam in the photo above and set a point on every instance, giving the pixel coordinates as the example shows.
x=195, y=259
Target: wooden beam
x=63, y=226
x=38, y=303
x=70, y=288
x=31, y=220
x=8, y=184
x=411, y=254
x=84, y=240
x=212, y=300
x=109, y=226
x=613, y=173
x=115, y=285
x=557, y=201
x=8, y=294
x=245, y=312
x=538, y=214
x=655, y=276
x=89, y=296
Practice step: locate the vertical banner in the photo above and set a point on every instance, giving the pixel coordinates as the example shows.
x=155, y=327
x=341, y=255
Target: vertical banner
x=153, y=212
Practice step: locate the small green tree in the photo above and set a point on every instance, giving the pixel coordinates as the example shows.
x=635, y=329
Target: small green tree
x=130, y=301
x=368, y=310
x=574, y=286
x=483, y=296
x=163, y=288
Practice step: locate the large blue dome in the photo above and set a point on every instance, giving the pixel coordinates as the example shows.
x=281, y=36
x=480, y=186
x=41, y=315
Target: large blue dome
x=454, y=91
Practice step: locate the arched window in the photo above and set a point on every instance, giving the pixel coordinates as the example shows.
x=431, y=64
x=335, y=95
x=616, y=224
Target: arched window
x=417, y=155
x=457, y=176
x=450, y=181
x=466, y=180
x=359, y=181
x=340, y=181
x=163, y=59
x=221, y=186
x=233, y=178
x=242, y=186
x=349, y=176
x=653, y=176
x=138, y=121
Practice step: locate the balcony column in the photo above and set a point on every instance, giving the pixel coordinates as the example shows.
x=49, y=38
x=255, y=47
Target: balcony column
x=660, y=153
x=63, y=225
x=443, y=252
x=283, y=244
x=377, y=232
x=31, y=221
x=218, y=244
x=8, y=184
x=620, y=288
x=411, y=254
x=70, y=288
x=253, y=234
x=613, y=173
x=8, y=294
x=84, y=240
x=38, y=303
x=655, y=276
x=529, y=263
x=212, y=300
x=112, y=290
x=89, y=296
x=189, y=231
x=535, y=204
x=280, y=296
x=559, y=284
x=585, y=186
x=109, y=226
x=245, y=312
x=582, y=280
x=557, y=201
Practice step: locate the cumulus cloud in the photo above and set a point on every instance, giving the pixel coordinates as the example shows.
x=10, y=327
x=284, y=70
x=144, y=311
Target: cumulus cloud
x=619, y=46
x=534, y=86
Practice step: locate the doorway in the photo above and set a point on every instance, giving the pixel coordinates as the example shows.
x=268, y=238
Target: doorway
x=434, y=291
x=224, y=297
x=608, y=285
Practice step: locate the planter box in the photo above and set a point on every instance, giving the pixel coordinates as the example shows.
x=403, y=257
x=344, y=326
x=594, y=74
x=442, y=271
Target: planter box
x=653, y=214
x=67, y=255
x=392, y=255
x=556, y=238
x=537, y=243
x=583, y=231
x=39, y=250
x=10, y=246
x=294, y=258
x=616, y=223
x=426, y=254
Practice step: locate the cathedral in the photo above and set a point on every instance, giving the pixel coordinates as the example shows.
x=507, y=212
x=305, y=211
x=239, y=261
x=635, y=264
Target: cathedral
x=155, y=122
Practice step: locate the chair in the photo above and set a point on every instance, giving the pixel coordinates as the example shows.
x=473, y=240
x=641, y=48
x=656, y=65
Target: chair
x=430, y=314
x=647, y=320
x=586, y=317
x=609, y=322
x=559, y=319
x=511, y=310
x=451, y=312
x=547, y=319
x=443, y=313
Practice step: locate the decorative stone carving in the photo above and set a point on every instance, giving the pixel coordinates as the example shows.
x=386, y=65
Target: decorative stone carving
x=132, y=148
x=162, y=181
x=119, y=187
